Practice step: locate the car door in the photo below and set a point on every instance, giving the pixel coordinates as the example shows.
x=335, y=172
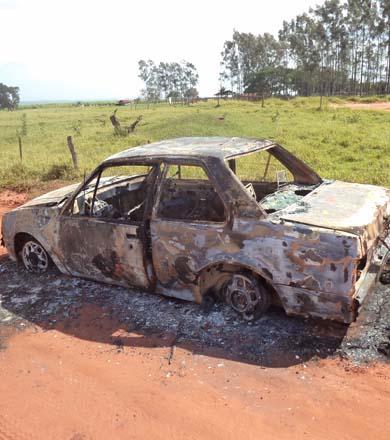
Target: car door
x=102, y=232
x=188, y=222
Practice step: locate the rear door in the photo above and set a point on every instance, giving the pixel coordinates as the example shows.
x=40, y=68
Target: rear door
x=188, y=222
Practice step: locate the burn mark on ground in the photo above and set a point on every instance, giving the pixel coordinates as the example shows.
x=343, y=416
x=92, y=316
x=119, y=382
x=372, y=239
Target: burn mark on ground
x=275, y=340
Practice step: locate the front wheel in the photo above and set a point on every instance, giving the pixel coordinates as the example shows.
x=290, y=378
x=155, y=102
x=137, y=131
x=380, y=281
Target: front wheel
x=34, y=257
x=246, y=295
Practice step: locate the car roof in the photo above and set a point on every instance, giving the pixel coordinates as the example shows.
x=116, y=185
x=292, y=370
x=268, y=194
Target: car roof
x=190, y=147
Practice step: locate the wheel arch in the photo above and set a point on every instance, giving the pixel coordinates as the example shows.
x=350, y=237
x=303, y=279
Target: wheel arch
x=20, y=239
x=212, y=277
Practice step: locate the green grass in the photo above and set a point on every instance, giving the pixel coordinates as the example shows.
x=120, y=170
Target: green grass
x=339, y=143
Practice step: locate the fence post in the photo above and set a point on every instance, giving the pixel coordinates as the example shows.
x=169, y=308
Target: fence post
x=73, y=152
x=20, y=149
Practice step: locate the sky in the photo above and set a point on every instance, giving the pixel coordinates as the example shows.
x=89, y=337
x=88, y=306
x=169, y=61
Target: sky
x=89, y=49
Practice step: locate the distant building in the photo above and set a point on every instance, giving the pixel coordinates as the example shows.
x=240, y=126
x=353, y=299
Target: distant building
x=124, y=102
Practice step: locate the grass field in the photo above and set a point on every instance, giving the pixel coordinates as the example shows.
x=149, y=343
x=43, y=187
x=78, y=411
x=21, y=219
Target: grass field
x=339, y=143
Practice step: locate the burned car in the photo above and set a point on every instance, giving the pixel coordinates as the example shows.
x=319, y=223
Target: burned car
x=239, y=220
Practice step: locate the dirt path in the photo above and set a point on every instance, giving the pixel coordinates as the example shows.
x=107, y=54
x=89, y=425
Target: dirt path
x=58, y=386
x=80, y=361
x=366, y=106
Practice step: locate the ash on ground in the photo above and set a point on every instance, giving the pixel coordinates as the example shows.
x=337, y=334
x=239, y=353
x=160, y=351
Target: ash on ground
x=275, y=340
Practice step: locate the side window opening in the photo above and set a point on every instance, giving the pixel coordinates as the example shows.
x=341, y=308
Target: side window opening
x=188, y=194
x=121, y=194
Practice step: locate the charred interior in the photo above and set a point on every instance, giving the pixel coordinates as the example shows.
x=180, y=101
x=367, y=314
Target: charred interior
x=273, y=184
x=190, y=198
x=187, y=192
x=124, y=199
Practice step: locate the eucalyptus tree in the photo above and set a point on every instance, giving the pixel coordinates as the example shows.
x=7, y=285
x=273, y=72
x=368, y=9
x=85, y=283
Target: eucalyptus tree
x=167, y=79
x=384, y=23
x=148, y=72
x=247, y=53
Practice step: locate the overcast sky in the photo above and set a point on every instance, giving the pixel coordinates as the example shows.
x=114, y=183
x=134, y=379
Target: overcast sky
x=89, y=49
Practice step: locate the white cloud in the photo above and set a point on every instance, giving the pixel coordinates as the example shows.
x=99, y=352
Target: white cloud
x=85, y=49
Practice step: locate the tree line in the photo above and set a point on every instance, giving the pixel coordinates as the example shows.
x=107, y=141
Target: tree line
x=168, y=79
x=334, y=49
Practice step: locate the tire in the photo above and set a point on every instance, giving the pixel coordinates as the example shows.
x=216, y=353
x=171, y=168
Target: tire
x=34, y=257
x=246, y=295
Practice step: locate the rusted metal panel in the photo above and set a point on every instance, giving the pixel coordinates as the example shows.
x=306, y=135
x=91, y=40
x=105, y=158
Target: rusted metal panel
x=108, y=252
x=291, y=258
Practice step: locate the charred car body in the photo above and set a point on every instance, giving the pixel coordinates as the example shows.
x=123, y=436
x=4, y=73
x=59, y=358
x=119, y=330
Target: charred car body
x=242, y=220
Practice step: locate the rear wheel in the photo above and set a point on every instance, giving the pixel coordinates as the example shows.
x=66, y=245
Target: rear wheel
x=246, y=295
x=34, y=257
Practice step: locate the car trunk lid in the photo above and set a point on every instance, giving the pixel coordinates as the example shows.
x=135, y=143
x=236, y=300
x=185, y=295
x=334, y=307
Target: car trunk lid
x=359, y=209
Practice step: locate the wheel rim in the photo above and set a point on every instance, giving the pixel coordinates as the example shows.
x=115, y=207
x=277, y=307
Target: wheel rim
x=242, y=295
x=35, y=258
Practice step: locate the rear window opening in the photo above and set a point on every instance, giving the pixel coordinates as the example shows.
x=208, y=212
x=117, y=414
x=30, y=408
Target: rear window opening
x=271, y=183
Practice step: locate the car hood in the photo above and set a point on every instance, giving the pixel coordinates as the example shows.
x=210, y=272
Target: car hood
x=351, y=207
x=52, y=198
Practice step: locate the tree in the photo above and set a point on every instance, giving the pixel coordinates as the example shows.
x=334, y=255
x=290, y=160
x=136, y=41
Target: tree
x=222, y=93
x=9, y=97
x=384, y=26
x=191, y=95
x=271, y=81
x=167, y=79
x=149, y=74
x=247, y=53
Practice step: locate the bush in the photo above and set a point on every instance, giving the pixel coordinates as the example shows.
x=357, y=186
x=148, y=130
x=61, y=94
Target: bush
x=58, y=171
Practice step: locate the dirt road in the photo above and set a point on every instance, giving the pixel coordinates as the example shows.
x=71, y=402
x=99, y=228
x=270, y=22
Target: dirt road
x=366, y=106
x=79, y=360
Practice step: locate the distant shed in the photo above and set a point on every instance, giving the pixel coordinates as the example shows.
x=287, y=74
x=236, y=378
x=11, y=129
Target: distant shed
x=124, y=102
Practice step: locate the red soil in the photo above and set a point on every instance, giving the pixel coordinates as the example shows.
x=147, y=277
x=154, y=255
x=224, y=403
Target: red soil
x=10, y=200
x=367, y=106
